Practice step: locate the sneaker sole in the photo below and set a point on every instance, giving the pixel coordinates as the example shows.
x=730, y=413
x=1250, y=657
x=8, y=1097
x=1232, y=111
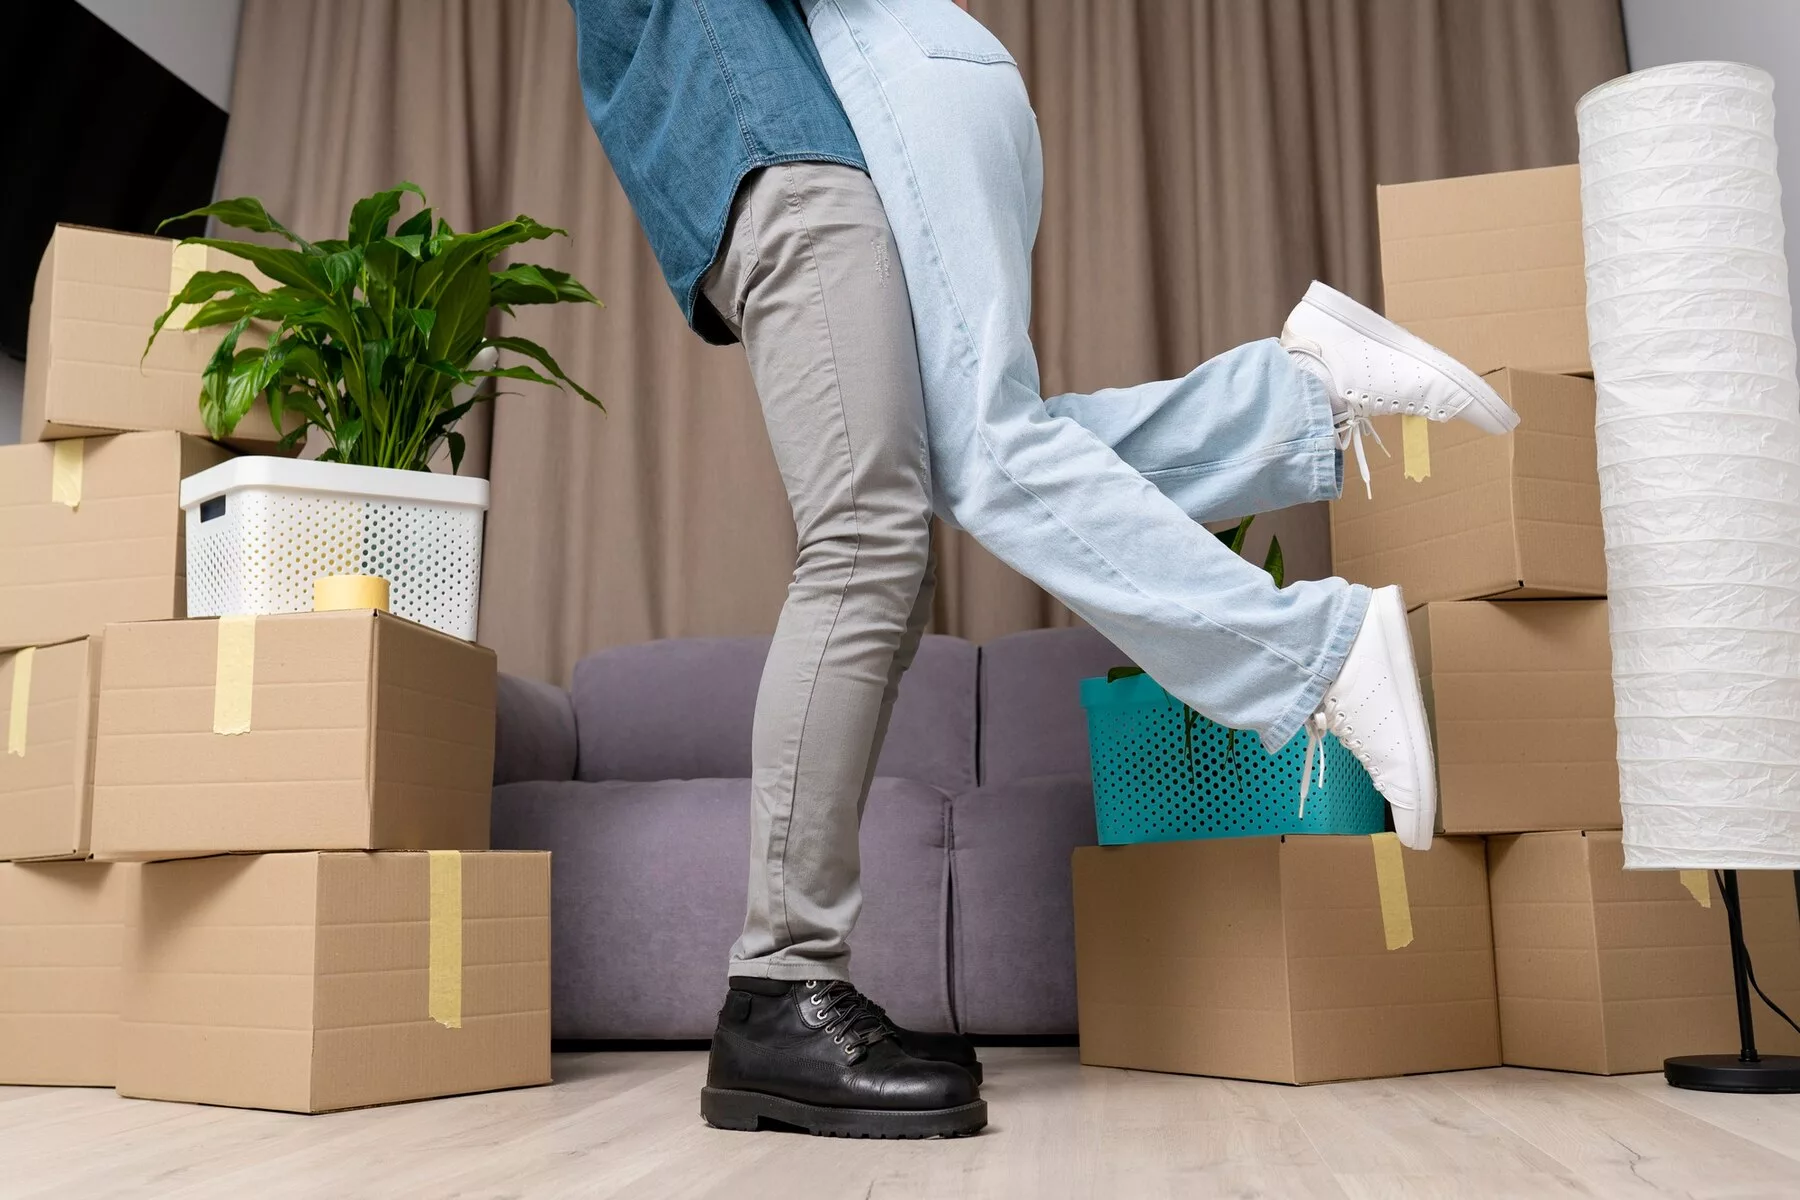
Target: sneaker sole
x=1378, y=328
x=1403, y=670
x=725, y=1108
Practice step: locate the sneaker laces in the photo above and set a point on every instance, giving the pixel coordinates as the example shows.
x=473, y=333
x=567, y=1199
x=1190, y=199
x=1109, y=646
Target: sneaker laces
x=854, y=1021
x=1349, y=426
x=1316, y=729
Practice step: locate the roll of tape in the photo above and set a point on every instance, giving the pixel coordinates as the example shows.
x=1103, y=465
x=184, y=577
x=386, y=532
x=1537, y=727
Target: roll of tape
x=333, y=593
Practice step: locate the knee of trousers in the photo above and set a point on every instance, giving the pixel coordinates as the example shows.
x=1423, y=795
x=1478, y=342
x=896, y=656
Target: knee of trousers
x=883, y=560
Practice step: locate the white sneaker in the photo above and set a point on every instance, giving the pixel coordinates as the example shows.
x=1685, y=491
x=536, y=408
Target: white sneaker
x=1373, y=367
x=1378, y=713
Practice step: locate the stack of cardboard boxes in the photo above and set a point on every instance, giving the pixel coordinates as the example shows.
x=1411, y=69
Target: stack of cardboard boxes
x=1524, y=940
x=190, y=908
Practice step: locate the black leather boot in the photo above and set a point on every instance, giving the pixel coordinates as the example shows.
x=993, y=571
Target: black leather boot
x=939, y=1047
x=819, y=1057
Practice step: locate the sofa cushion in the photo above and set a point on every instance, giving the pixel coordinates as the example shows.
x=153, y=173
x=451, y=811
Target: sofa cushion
x=534, y=735
x=1012, y=948
x=1032, y=722
x=648, y=884
x=683, y=708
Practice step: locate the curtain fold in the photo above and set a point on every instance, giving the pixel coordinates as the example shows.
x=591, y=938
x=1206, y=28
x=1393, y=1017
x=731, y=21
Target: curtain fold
x=1203, y=160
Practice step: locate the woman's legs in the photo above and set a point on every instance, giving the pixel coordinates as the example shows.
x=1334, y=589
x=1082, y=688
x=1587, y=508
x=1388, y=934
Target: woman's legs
x=952, y=145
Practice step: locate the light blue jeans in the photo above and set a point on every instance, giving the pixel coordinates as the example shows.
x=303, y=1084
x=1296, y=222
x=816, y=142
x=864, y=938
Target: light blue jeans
x=1095, y=498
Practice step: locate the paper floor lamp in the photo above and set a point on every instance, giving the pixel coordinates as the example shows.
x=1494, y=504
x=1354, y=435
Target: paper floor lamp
x=1699, y=448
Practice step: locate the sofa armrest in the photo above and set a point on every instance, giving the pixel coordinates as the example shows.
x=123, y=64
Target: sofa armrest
x=535, y=731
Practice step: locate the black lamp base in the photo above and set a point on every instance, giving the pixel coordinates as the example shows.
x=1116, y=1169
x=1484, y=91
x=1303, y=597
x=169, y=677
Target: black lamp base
x=1771, y=1074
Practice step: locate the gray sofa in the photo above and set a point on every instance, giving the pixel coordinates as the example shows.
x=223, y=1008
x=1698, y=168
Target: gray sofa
x=637, y=780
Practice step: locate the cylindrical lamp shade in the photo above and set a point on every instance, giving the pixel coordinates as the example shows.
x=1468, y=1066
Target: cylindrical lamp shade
x=1699, y=450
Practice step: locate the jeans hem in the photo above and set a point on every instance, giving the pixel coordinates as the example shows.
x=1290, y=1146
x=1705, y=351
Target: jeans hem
x=1346, y=624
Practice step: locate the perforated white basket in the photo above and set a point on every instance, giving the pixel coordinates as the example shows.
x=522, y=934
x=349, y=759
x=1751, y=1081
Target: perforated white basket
x=260, y=530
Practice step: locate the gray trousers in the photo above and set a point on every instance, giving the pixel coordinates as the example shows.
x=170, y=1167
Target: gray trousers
x=810, y=280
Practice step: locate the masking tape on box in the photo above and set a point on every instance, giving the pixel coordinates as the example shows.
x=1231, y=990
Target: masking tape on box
x=332, y=593
x=1698, y=886
x=66, y=458
x=235, y=676
x=446, y=963
x=1390, y=880
x=184, y=263
x=1415, y=447
x=21, y=701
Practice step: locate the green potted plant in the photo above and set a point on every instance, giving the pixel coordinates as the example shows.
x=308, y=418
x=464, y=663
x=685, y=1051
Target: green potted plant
x=378, y=341
x=1164, y=772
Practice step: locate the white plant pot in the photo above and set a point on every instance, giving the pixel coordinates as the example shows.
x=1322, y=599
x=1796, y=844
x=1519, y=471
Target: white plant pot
x=260, y=530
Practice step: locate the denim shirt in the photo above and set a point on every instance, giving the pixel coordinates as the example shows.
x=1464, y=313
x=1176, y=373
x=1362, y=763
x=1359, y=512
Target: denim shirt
x=688, y=97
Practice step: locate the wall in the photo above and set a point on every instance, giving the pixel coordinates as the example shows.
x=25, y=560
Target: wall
x=12, y=391
x=1763, y=33
x=195, y=39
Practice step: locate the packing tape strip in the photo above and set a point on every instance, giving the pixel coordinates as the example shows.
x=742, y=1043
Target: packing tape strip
x=235, y=676
x=66, y=459
x=1698, y=886
x=446, y=963
x=334, y=592
x=1415, y=447
x=184, y=263
x=1390, y=880
x=21, y=701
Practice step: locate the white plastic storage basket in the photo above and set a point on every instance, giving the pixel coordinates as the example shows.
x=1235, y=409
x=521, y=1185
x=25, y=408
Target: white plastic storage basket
x=260, y=530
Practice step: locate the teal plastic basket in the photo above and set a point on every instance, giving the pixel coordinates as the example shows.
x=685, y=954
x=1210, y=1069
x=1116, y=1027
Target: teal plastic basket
x=1158, y=779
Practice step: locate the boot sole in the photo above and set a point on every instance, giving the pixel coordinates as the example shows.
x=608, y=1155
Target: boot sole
x=1378, y=328
x=725, y=1108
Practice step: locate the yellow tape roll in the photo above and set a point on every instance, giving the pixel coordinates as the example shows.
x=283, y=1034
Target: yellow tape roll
x=336, y=592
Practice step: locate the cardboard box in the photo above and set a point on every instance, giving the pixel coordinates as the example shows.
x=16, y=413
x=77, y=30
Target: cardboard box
x=1520, y=698
x=1267, y=958
x=48, y=695
x=97, y=297
x=91, y=532
x=62, y=944
x=350, y=730
x=312, y=982
x=1611, y=971
x=1490, y=267
x=1515, y=516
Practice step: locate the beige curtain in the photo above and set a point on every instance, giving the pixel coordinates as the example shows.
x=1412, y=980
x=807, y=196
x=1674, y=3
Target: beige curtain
x=1203, y=160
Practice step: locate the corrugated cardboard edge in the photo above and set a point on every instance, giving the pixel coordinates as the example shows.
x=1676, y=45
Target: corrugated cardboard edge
x=1593, y=933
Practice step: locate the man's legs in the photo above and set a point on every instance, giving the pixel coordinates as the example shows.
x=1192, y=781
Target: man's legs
x=809, y=278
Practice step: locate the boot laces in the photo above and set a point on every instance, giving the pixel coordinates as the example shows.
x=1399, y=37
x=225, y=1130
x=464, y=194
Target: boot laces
x=1330, y=719
x=854, y=1021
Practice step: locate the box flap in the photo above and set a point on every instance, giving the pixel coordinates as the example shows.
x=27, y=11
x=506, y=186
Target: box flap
x=44, y=780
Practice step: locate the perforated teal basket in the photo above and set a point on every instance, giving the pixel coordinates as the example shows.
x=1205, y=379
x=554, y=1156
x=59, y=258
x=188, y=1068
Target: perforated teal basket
x=1156, y=779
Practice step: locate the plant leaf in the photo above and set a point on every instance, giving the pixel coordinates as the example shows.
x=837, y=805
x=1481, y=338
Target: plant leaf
x=292, y=267
x=528, y=283
x=369, y=217
x=418, y=225
x=454, y=440
x=243, y=212
x=201, y=288
x=532, y=350
x=1274, y=564
x=423, y=319
x=1118, y=673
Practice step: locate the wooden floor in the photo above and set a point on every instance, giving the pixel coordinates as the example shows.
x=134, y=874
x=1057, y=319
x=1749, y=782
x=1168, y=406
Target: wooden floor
x=626, y=1124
